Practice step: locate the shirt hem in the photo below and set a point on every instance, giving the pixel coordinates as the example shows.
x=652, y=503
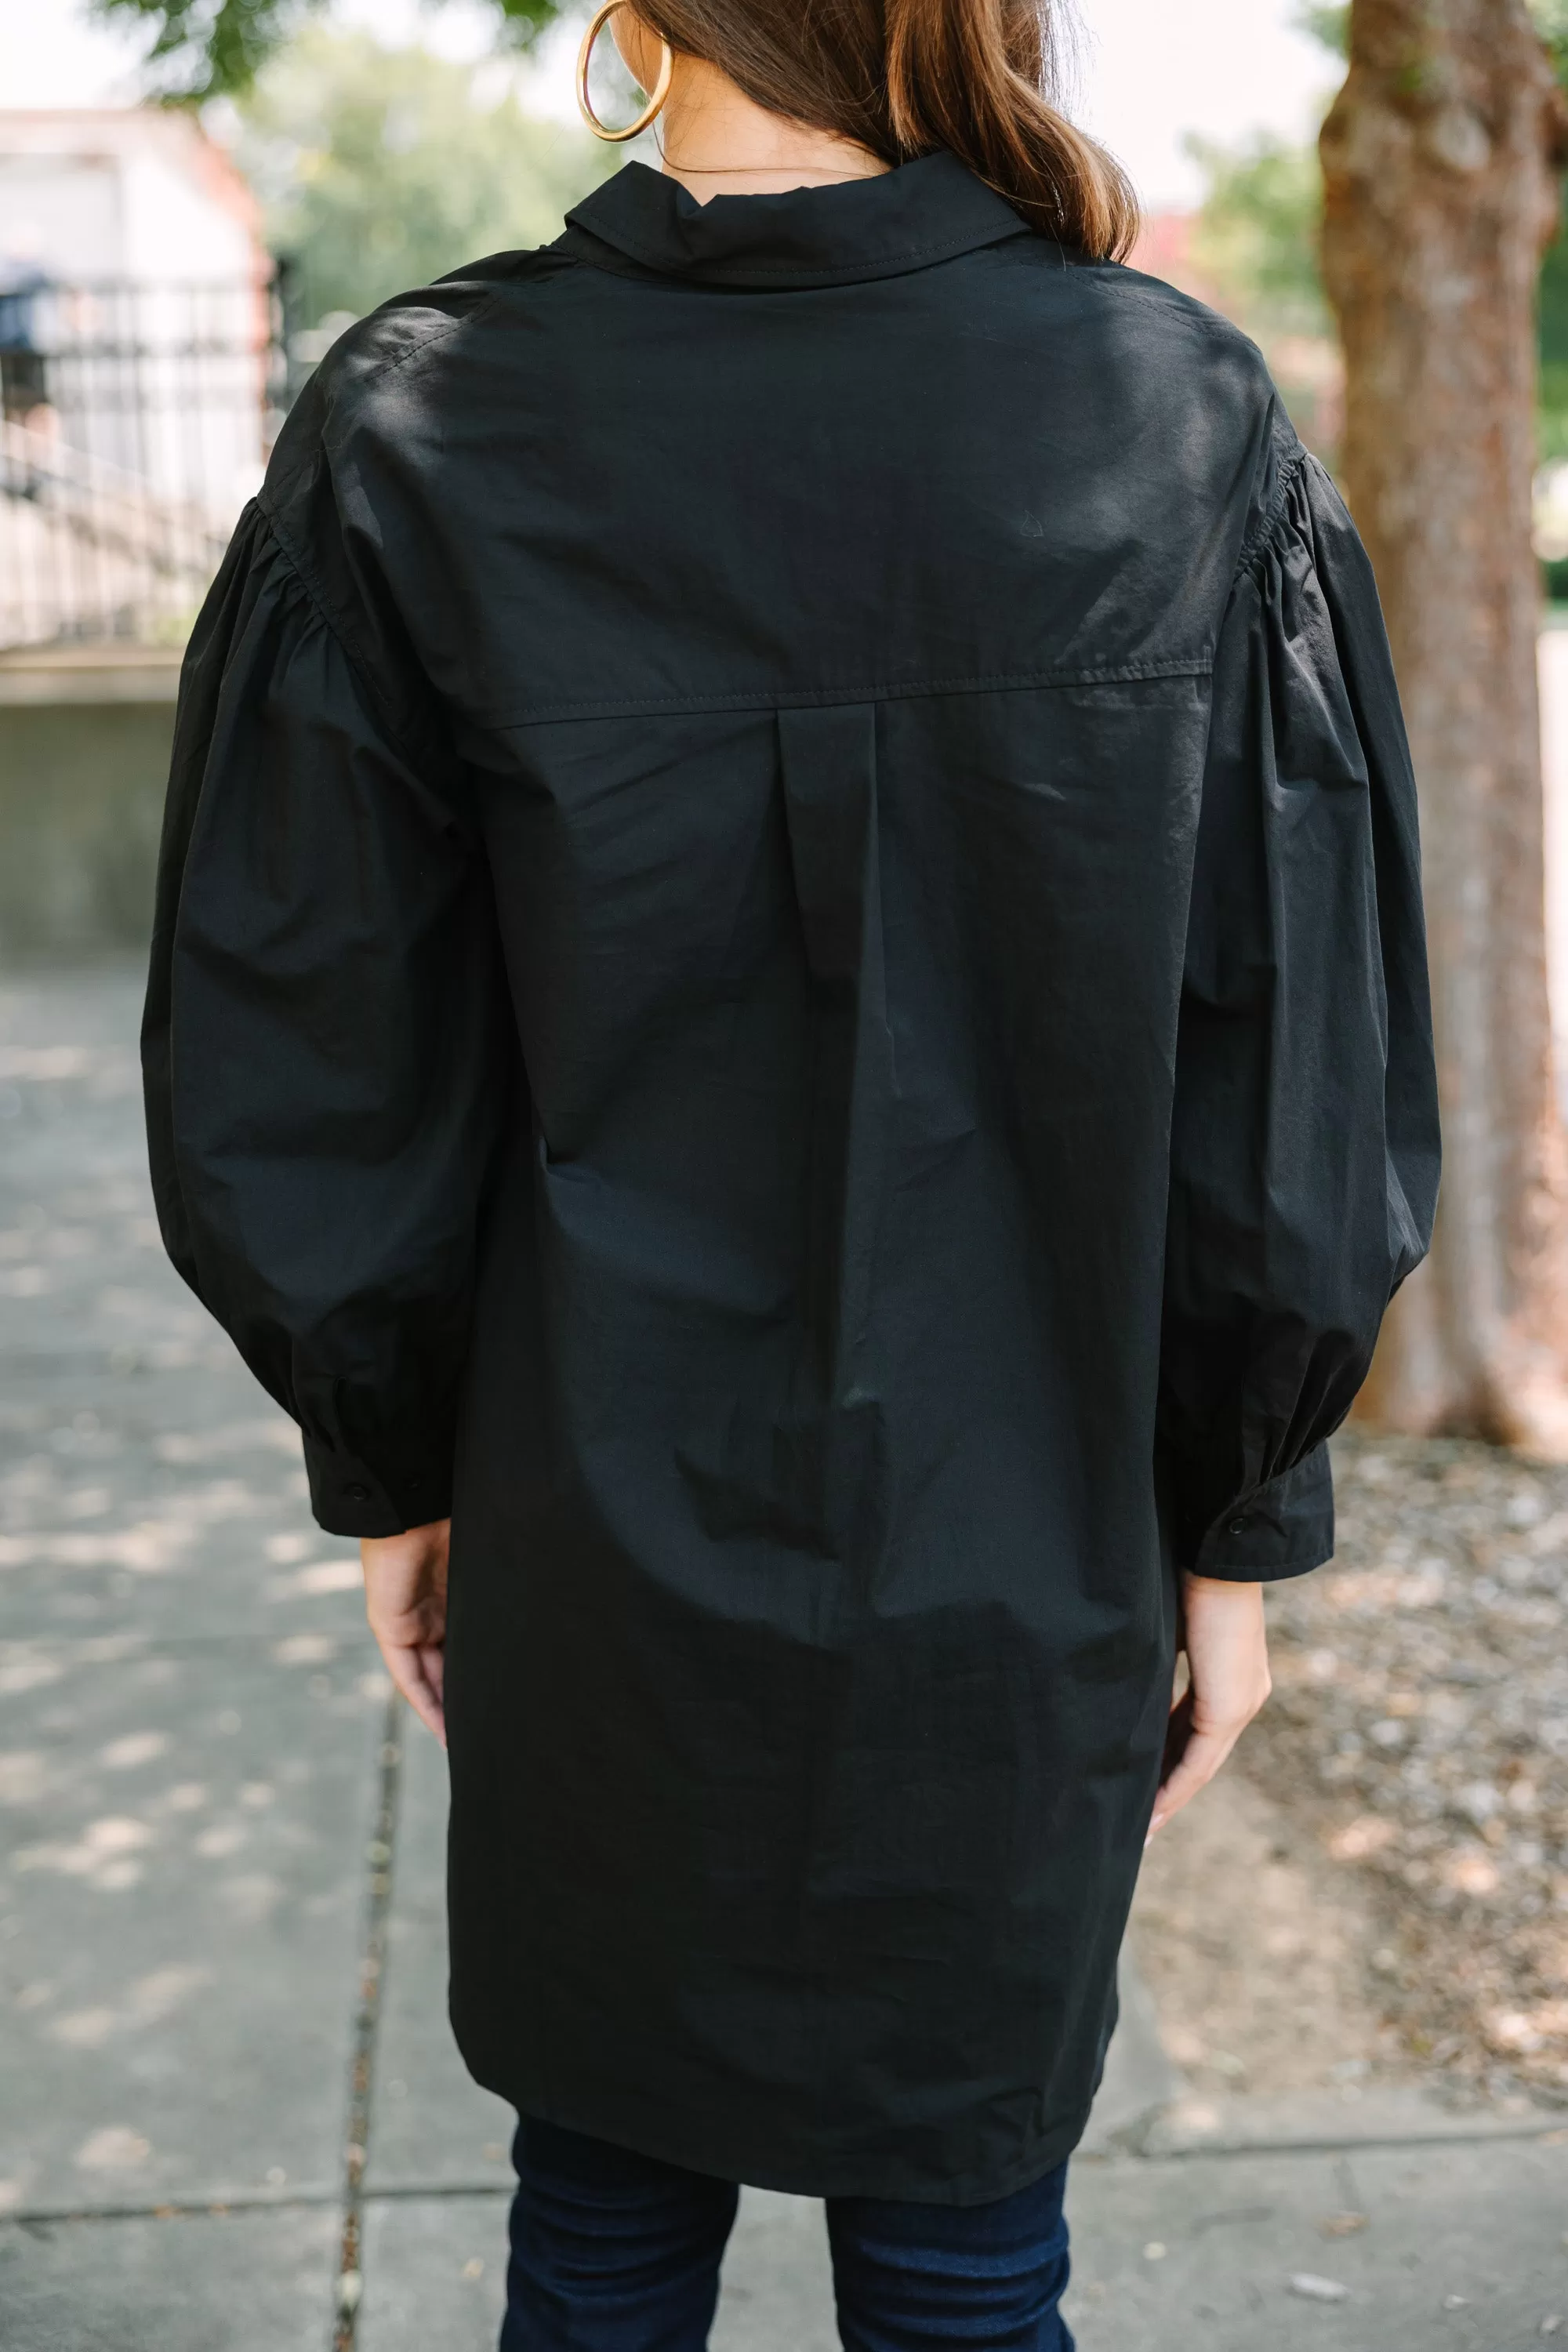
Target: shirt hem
x=738, y=2160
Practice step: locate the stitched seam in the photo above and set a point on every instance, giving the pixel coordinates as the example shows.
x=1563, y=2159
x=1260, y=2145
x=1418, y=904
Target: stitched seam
x=315, y=597
x=612, y=262
x=437, y=334
x=387, y=367
x=1263, y=531
x=847, y=273
x=888, y=690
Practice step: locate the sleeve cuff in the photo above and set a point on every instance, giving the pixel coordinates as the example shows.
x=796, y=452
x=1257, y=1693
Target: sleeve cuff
x=348, y=1498
x=1280, y=1530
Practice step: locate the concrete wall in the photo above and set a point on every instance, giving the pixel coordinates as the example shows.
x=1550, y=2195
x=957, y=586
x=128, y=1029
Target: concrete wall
x=84, y=734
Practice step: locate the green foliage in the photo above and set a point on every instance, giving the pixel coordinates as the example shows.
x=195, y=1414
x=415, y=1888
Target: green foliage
x=200, y=51
x=378, y=168
x=203, y=50
x=1554, y=351
x=1552, y=21
x=526, y=19
x=1329, y=24
x=1258, y=233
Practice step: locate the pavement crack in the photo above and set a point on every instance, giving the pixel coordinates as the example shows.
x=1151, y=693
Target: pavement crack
x=172, y=2209
x=378, y=1853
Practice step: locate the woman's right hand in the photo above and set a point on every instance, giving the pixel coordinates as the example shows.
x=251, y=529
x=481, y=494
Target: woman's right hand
x=1226, y=1645
x=406, y=1602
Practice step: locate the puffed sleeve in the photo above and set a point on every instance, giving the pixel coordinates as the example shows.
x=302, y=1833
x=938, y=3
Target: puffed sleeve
x=325, y=1063
x=1304, y=1145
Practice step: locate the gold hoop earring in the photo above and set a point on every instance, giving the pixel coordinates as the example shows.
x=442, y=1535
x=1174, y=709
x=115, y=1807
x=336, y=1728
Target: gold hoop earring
x=656, y=96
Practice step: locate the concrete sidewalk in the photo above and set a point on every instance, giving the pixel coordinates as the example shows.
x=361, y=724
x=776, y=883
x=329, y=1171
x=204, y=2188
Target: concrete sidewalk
x=221, y=1961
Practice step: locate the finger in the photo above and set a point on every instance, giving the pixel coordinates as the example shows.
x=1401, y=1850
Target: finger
x=429, y=1704
x=1201, y=1758
x=409, y=1673
x=402, y=1629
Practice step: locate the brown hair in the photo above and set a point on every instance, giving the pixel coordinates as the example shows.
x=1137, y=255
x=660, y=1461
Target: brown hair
x=904, y=77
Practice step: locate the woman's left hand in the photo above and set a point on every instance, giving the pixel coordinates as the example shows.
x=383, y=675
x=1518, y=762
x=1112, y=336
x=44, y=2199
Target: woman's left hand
x=1224, y=1635
x=406, y=1602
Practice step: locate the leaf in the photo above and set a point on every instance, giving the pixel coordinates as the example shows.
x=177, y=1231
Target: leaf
x=1329, y=24
x=379, y=170
x=199, y=52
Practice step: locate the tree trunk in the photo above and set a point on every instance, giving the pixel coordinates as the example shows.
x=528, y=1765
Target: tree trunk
x=1439, y=160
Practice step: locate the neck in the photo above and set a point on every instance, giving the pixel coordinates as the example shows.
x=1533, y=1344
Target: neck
x=717, y=141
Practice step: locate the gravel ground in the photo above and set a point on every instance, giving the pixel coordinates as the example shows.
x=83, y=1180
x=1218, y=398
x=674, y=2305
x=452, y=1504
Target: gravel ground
x=1257, y=1947
x=1418, y=1742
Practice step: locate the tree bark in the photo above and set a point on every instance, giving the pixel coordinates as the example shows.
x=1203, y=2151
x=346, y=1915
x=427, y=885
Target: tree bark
x=1441, y=159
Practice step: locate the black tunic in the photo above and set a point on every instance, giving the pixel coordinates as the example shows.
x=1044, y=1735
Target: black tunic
x=789, y=972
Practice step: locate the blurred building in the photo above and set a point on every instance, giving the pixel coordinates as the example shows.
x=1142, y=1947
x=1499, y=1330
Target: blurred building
x=138, y=360
x=138, y=377
x=1164, y=249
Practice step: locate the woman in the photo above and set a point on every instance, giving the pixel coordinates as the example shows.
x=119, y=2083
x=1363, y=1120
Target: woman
x=789, y=990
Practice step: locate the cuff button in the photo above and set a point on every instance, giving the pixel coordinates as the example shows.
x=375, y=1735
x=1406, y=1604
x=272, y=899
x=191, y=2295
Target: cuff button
x=357, y=1494
x=1236, y=1528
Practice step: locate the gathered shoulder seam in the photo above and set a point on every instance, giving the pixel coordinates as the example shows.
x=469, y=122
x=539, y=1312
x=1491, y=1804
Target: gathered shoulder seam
x=315, y=596
x=1262, y=533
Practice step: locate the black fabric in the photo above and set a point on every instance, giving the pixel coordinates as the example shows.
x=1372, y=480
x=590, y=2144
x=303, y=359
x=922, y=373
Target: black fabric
x=927, y=212
x=789, y=968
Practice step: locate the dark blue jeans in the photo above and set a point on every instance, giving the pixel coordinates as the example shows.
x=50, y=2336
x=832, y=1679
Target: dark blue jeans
x=615, y=2253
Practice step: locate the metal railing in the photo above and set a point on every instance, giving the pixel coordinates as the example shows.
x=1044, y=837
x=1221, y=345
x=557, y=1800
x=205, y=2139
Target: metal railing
x=137, y=420
x=91, y=549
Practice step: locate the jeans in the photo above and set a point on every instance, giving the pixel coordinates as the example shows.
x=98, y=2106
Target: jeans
x=616, y=2253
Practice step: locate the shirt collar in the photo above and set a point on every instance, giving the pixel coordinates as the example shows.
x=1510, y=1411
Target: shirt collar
x=906, y=219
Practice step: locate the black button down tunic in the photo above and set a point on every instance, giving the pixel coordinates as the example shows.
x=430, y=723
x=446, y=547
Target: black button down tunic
x=789, y=974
